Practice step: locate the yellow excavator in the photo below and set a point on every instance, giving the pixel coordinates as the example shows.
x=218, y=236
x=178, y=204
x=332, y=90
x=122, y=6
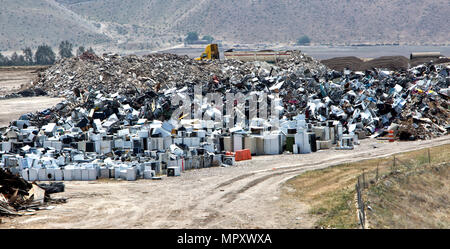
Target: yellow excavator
x=211, y=52
x=271, y=56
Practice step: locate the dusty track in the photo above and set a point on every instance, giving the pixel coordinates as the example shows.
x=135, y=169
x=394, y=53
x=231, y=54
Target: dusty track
x=246, y=196
x=12, y=80
x=12, y=109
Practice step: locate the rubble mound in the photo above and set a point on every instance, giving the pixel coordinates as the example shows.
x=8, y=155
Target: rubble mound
x=418, y=61
x=386, y=62
x=341, y=63
x=89, y=56
x=424, y=117
x=113, y=73
x=357, y=64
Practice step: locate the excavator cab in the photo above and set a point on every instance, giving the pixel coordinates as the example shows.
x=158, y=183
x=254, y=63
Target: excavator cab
x=211, y=53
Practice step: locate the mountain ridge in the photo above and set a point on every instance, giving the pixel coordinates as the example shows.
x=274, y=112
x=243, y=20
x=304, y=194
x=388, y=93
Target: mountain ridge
x=150, y=24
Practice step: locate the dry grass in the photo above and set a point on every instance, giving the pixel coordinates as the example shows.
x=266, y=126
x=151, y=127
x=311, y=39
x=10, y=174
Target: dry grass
x=413, y=199
x=331, y=192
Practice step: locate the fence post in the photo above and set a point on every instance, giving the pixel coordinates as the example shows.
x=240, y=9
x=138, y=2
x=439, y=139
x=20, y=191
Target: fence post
x=364, y=179
x=358, y=199
x=361, y=212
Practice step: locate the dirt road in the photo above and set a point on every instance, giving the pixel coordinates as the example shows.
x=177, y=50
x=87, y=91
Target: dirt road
x=12, y=109
x=244, y=196
x=12, y=79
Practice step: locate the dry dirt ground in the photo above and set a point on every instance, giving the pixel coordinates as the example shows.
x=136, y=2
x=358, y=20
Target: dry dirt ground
x=11, y=109
x=11, y=80
x=248, y=195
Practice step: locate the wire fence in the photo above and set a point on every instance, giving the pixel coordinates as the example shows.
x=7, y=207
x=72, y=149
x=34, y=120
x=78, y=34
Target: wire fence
x=384, y=169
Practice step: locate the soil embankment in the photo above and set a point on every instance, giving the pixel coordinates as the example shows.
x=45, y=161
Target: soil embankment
x=389, y=62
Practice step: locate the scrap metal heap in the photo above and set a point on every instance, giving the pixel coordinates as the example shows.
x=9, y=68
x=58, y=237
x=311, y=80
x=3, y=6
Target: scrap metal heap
x=19, y=197
x=117, y=119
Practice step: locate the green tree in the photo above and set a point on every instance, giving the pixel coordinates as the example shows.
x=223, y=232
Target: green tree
x=65, y=49
x=91, y=51
x=208, y=38
x=14, y=59
x=4, y=60
x=80, y=50
x=191, y=37
x=28, y=54
x=44, y=55
x=21, y=60
x=304, y=40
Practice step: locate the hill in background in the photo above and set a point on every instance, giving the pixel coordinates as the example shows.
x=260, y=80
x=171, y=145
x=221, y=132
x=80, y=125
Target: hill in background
x=32, y=22
x=149, y=24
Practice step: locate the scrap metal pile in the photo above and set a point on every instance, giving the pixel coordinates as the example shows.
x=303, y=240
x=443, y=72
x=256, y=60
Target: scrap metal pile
x=19, y=197
x=375, y=97
x=117, y=120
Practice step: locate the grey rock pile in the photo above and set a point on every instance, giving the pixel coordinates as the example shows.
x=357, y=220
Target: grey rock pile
x=113, y=73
